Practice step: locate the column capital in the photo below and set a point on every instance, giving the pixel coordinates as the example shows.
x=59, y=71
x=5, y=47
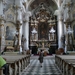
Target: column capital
x=18, y=7
x=61, y=19
x=18, y=23
x=26, y=18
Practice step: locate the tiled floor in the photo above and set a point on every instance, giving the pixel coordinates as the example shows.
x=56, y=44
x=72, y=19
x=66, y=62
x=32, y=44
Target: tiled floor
x=48, y=67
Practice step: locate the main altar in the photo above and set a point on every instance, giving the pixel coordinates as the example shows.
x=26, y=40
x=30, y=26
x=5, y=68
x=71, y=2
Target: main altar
x=42, y=30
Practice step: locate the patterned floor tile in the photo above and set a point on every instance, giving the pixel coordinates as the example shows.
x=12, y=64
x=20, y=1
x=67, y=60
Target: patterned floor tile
x=48, y=68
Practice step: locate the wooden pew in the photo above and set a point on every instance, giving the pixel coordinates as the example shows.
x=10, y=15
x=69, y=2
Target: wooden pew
x=18, y=61
x=13, y=64
x=60, y=60
x=72, y=69
x=67, y=65
x=1, y=71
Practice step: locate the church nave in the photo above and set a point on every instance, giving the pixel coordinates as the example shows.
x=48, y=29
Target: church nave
x=48, y=67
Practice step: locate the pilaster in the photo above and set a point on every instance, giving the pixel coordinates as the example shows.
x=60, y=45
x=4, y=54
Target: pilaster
x=2, y=30
x=26, y=30
x=18, y=27
x=2, y=34
x=60, y=30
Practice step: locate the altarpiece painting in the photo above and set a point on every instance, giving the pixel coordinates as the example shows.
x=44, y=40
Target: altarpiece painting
x=43, y=31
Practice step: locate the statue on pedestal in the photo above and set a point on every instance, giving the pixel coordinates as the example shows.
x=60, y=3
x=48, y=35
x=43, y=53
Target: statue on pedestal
x=22, y=42
x=16, y=41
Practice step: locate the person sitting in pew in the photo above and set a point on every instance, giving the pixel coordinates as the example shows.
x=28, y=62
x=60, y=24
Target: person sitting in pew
x=4, y=65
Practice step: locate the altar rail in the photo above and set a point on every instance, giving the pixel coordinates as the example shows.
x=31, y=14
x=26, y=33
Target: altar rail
x=16, y=63
x=66, y=64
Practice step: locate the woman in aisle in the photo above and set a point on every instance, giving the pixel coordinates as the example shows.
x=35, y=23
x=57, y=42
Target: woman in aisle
x=41, y=57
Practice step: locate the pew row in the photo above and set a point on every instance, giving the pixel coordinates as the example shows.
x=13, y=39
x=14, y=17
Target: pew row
x=66, y=64
x=1, y=71
x=17, y=63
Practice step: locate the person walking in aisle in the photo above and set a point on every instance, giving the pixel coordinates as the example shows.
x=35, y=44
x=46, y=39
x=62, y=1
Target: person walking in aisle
x=41, y=57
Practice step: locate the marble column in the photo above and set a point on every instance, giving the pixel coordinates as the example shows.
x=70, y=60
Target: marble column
x=60, y=30
x=2, y=36
x=26, y=30
x=2, y=30
x=60, y=27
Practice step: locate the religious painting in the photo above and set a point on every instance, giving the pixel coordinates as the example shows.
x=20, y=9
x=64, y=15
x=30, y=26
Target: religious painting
x=43, y=31
x=10, y=31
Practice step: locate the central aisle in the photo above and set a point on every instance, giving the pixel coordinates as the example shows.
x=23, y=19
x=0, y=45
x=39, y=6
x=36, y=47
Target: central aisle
x=48, y=68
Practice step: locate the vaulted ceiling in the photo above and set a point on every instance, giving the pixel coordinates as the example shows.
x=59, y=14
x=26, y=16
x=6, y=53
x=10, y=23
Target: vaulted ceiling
x=49, y=3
